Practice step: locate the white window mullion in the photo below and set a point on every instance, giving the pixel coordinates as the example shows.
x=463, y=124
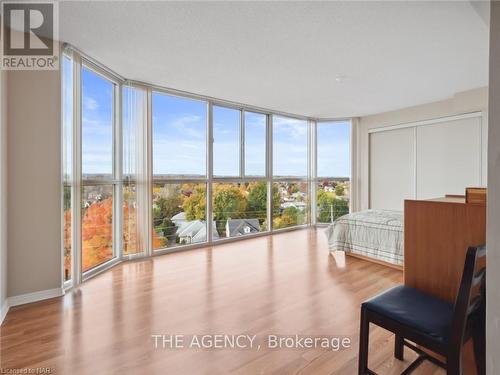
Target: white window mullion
x=149, y=172
x=269, y=171
x=313, y=170
x=242, y=144
x=76, y=218
x=210, y=165
x=118, y=174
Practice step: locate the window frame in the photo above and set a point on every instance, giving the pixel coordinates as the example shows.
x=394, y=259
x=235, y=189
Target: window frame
x=79, y=63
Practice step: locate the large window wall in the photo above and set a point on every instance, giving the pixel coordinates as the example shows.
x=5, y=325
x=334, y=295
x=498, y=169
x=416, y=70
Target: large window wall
x=148, y=170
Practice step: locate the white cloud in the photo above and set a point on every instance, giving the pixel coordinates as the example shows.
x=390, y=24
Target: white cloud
x=89, y=103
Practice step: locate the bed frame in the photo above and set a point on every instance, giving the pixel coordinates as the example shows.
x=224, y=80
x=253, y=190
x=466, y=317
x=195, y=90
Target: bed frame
x=381, y=262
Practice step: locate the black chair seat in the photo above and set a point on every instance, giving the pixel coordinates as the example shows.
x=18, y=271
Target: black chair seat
x=410, y=307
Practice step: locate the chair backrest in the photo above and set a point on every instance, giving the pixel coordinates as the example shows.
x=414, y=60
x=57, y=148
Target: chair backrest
x=471, y=298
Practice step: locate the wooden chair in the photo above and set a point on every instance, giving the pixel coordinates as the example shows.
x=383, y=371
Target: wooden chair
x=421, y=320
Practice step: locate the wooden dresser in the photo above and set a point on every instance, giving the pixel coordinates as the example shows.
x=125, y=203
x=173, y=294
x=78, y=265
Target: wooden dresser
x=437, y=233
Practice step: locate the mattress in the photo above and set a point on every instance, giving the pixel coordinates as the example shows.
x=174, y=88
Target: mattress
x=375, y=234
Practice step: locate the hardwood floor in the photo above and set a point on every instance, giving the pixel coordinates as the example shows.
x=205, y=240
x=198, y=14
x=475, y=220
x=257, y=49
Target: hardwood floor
x=284, y=284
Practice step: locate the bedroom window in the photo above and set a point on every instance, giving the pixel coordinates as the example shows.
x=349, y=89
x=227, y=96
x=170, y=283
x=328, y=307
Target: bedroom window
x=148, y=170
x=333, y=177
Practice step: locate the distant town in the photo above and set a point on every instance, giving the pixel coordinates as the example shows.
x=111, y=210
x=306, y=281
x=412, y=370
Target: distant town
x=179, y=212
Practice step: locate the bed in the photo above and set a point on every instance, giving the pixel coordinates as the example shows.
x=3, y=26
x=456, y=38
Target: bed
x=375, y=235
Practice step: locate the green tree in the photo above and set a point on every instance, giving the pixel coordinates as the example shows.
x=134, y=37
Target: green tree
x=168, y=227
x=339, y=190
x=167, y=205
x=229, y=201
x=67, y=197
x=328, y=202
x=257, y=200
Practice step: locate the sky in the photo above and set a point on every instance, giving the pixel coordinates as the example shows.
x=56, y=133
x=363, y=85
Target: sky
x=180, y=131
x=333, y=148
x=97, y=124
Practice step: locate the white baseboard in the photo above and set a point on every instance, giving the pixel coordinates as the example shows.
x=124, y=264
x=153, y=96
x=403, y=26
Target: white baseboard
x=4, y=309
x=28, y=298
x=35, y=296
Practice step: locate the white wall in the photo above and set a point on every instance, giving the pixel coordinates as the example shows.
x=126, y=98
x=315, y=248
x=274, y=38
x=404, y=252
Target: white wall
x=3, y=194
x=465, y=102
x=34, y=181
x=493, y=221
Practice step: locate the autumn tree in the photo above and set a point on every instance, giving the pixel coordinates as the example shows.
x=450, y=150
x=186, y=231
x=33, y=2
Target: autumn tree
x=229, y=201
x=194, y=205
x=97, y=233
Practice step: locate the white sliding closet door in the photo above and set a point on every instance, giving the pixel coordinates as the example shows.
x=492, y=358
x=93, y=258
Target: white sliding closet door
x=448, y=157
x=392, y=168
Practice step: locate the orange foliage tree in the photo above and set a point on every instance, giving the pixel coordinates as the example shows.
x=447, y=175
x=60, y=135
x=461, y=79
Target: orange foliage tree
x=97, y=233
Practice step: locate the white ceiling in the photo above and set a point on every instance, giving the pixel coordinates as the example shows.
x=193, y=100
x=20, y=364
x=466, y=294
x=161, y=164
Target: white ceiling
x=287, y=56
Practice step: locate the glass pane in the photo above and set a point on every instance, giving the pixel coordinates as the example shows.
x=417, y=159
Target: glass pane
x=97, y=125
x=226, y=132
x=67, y=249
x=334, y=144
x=130, y=229
x=239, y=208
x=255, y=144
x=179, y=136
x=97, y=225
x=289, y=147
x=332, y=199
x=290, y=204
x=67, y=107
x=179, y=216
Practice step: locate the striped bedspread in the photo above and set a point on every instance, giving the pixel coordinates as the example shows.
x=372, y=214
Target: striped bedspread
x=373, y=233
